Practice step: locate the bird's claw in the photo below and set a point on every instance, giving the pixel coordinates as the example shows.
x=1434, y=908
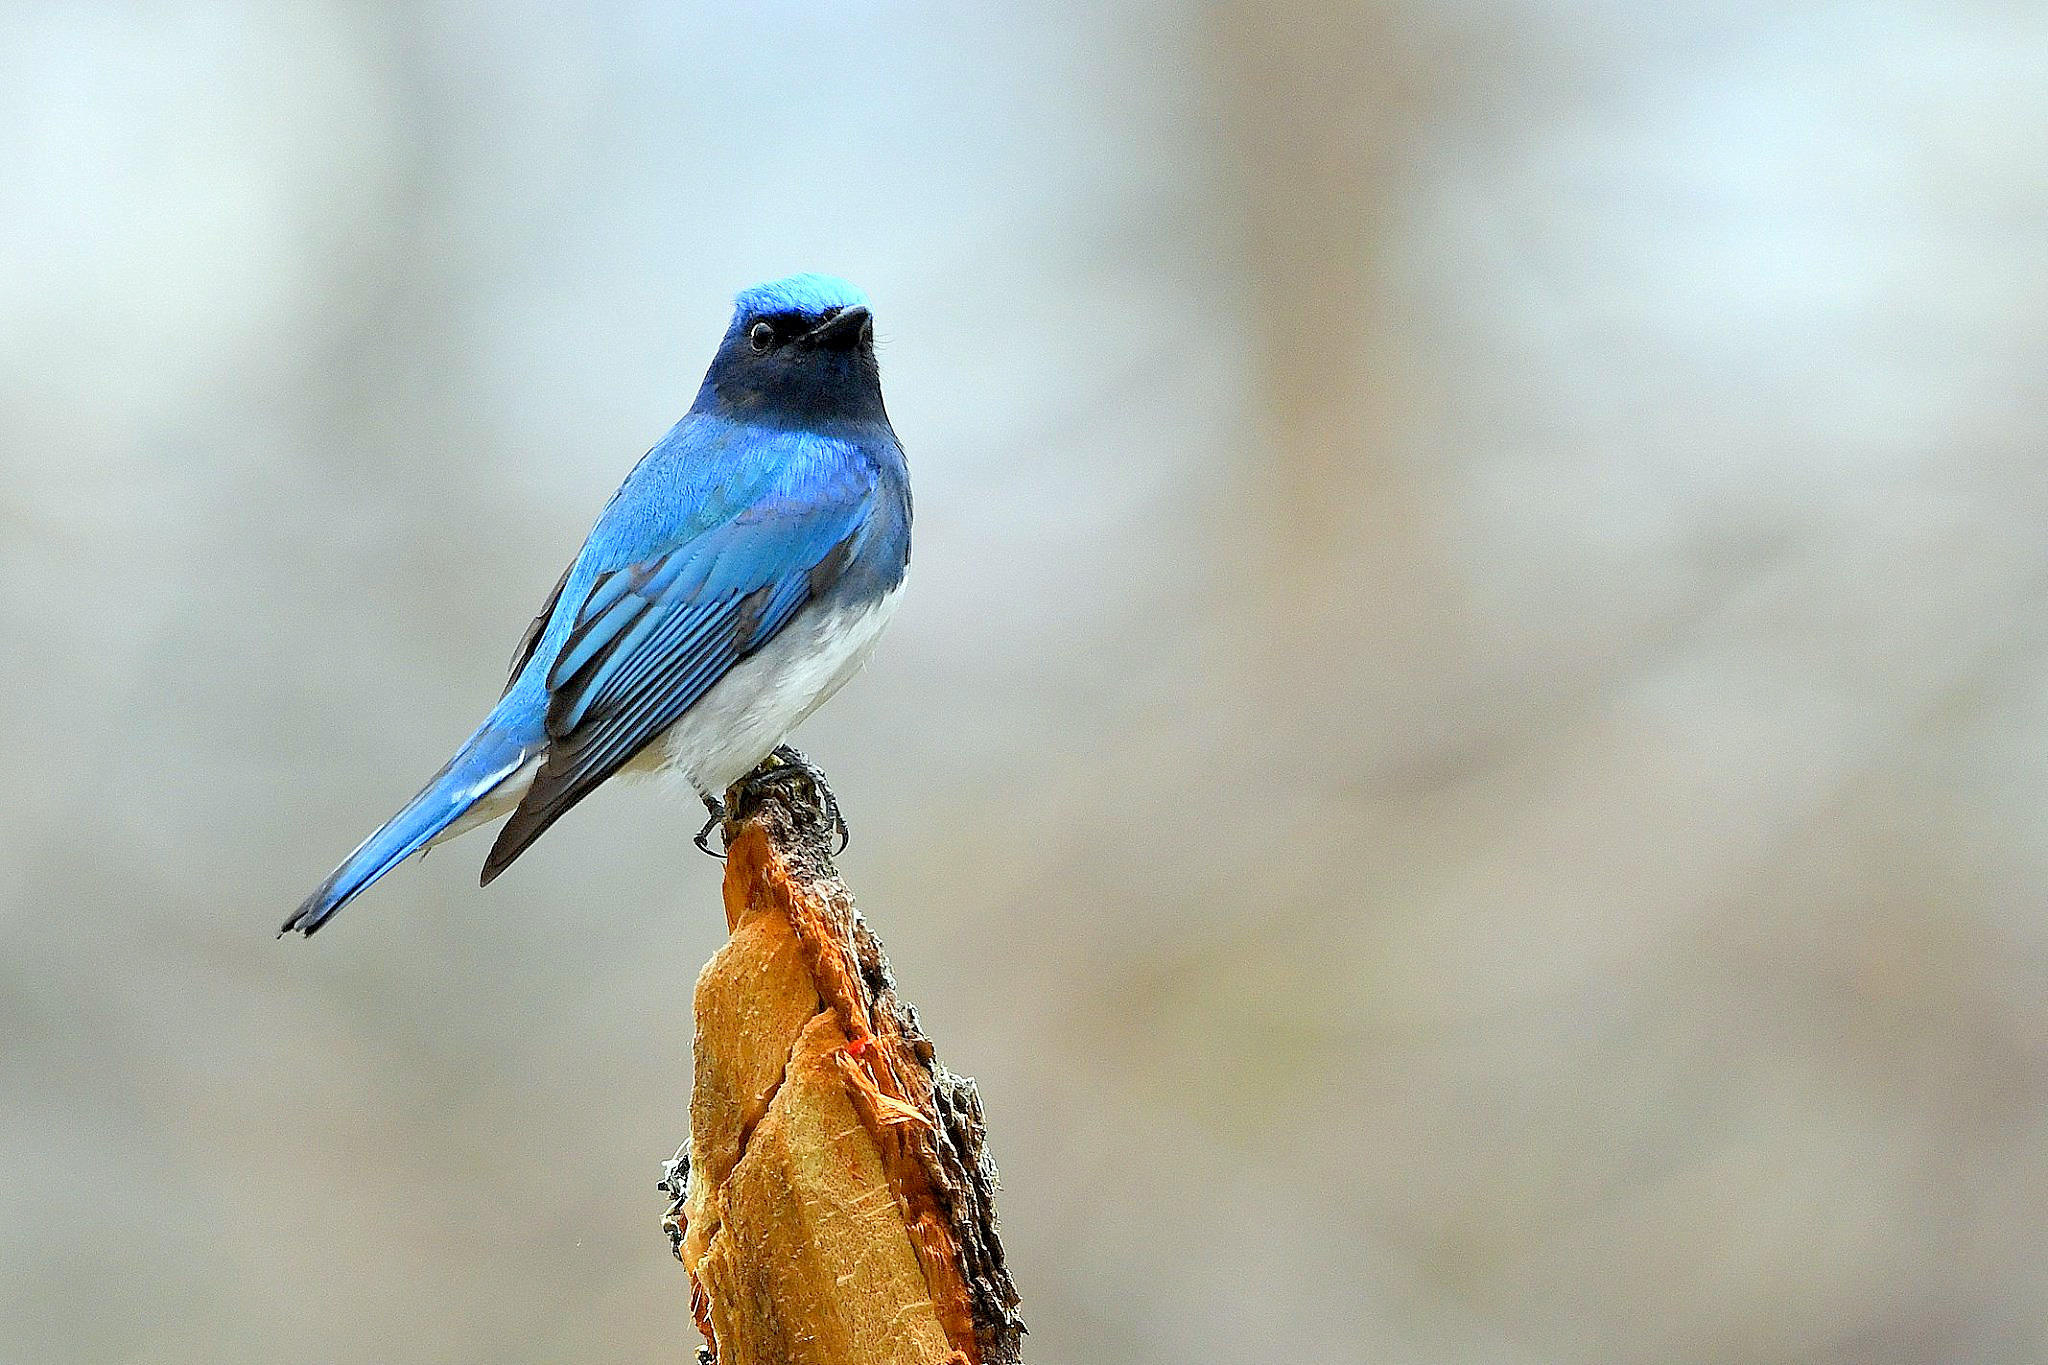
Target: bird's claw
x=835, y=820
x=785, y=763
x=675, y=1182
x=716, y=810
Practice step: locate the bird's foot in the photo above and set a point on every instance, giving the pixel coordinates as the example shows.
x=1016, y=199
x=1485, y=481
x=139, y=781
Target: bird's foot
x=716, y=809
x=835, y=820
x=786, y=763
x=675, y=1182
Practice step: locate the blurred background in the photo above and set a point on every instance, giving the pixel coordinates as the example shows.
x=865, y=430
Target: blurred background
x=1465, y=761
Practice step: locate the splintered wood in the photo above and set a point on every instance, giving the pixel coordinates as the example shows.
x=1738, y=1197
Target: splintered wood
x=839, y=1204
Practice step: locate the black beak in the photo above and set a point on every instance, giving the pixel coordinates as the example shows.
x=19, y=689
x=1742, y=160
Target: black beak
x=844, y=330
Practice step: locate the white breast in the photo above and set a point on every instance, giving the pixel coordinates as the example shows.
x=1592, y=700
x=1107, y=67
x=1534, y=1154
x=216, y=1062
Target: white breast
x=754, y=706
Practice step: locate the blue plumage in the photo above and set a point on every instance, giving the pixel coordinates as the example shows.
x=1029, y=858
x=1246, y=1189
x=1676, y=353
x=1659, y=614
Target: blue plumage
x=812, y=295
x=736, y=579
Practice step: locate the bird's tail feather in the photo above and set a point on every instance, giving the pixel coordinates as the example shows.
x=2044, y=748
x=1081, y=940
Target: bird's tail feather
x=494, y=756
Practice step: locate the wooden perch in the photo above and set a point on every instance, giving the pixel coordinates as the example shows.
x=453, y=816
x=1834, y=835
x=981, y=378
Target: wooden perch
x=836, y=1205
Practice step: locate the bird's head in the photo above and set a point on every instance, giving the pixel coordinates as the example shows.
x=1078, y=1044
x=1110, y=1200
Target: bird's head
x=799, y=349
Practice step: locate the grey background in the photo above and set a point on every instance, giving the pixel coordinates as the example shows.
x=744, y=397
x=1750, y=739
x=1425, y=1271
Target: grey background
x=1466, y=758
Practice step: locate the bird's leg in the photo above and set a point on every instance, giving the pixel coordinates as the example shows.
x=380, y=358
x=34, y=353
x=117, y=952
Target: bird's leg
x=703, y=839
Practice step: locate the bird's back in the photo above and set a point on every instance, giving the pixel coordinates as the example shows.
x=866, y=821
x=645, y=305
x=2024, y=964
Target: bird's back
x=711, y=472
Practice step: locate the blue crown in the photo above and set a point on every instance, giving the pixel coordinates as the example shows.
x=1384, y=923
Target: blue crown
x=810, y=295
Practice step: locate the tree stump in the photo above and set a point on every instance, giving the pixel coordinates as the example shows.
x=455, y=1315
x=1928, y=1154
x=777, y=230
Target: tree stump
x=836, y=1204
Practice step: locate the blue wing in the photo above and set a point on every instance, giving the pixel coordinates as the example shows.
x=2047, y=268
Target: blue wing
x=651, y=635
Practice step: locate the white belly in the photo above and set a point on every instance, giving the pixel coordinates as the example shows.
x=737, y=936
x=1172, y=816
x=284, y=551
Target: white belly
x=740, y=720
x=752, y=708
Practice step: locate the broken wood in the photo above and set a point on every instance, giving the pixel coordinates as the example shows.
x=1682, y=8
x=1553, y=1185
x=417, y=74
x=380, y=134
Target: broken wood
x=836, y=1204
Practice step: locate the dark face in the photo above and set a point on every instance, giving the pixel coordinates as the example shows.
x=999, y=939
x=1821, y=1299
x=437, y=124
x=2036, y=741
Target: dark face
x=800, y=366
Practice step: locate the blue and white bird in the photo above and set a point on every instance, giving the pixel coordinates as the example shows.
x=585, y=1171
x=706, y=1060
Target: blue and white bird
x=739, y=576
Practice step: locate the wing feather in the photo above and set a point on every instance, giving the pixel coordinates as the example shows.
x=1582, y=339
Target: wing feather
x=652, y=636
x=529, y=642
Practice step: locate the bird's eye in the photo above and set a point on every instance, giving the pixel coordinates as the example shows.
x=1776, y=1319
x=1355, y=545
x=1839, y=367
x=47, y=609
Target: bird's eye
x=760, y=336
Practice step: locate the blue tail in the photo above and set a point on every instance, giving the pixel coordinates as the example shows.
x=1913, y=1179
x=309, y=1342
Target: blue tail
x=493, y=754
